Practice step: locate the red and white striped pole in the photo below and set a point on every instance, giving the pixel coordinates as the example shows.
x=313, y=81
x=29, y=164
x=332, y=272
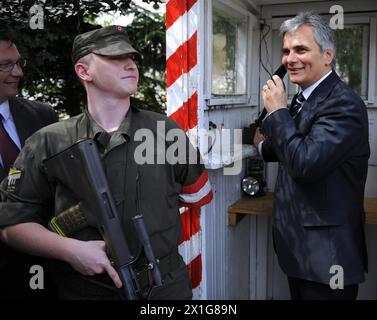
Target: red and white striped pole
x=182, y=106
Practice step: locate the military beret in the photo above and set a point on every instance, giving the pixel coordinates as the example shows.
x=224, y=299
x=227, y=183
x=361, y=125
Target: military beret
x=107, y=41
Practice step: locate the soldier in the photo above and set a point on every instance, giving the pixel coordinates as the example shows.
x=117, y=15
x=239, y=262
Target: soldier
x=104, y=63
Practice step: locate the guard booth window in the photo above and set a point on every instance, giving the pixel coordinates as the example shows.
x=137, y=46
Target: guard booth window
x=352, y=54
x=229, y=51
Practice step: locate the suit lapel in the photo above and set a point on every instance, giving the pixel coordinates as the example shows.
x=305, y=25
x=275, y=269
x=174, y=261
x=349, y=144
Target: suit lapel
x=319, y=94
x=322, y=91
x=22, y=119
x=3, y=174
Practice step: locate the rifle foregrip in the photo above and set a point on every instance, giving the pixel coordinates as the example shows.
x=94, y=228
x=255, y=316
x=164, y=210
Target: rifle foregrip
x=141, y=230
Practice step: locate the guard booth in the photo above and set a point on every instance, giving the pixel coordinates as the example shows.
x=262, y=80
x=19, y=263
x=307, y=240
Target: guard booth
x=218, y=52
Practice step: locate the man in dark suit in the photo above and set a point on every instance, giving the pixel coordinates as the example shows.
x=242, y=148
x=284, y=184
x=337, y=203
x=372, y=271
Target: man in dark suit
x=321, y=144
x=19, y=118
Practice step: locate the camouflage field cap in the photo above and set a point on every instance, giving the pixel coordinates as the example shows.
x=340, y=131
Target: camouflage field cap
x=107, y=41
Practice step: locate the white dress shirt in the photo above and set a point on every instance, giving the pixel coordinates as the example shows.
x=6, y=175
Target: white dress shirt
x=9, y=125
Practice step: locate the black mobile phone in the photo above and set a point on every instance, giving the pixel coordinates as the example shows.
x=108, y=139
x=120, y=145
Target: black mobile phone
x=281, y=72
x=248, y=133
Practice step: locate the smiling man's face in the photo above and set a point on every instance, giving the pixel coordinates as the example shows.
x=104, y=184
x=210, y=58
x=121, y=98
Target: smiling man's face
x=9, y=80
x=303, y=58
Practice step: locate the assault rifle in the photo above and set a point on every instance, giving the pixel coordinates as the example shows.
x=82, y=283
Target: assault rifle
x=79, y=168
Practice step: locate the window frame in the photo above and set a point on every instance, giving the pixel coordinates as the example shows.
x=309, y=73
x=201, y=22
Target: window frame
x=371, y=67
x=227, y=100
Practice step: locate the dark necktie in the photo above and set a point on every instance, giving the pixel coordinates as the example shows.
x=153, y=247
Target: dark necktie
x=296, y=105
x=8, y=149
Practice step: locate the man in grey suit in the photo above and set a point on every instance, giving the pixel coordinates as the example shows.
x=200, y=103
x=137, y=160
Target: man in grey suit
x=19, y=119
x=321, y=144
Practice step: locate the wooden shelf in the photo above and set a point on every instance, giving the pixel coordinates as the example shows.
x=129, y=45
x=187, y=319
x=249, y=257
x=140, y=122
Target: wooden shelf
x=263, y=206
x=248, y=205
x=370, y=206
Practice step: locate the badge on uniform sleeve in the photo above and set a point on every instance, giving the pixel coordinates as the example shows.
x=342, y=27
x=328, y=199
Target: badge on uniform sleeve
x=14, y=179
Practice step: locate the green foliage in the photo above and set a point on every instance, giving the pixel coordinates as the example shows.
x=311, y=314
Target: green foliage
x=349, y=55
x=147, y=33
x=49, y=73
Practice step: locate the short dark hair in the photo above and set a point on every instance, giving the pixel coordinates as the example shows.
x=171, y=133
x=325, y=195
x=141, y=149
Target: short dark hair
x=6, y=33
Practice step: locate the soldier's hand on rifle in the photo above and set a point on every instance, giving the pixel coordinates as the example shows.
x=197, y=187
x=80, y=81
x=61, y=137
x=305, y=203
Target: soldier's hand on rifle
x=89, y=258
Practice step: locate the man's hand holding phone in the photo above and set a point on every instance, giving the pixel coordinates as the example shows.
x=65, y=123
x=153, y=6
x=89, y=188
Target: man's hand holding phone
x=274, y=95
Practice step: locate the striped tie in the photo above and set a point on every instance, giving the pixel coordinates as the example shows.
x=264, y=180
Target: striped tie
x=8, y=149
x=297, y=104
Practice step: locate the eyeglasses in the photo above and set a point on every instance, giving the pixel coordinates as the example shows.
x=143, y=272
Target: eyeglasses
x=9, y=66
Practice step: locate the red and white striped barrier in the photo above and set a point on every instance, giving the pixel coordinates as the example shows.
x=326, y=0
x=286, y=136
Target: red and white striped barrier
x=182, y=106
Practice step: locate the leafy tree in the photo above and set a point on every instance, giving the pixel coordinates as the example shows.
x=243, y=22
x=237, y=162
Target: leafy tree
x=49, y=73
x=349, y=55
x=148, y=36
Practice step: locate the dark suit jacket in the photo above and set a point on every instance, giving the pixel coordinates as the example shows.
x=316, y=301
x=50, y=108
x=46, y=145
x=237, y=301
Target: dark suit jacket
x=29, y=116
x=318, y=218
